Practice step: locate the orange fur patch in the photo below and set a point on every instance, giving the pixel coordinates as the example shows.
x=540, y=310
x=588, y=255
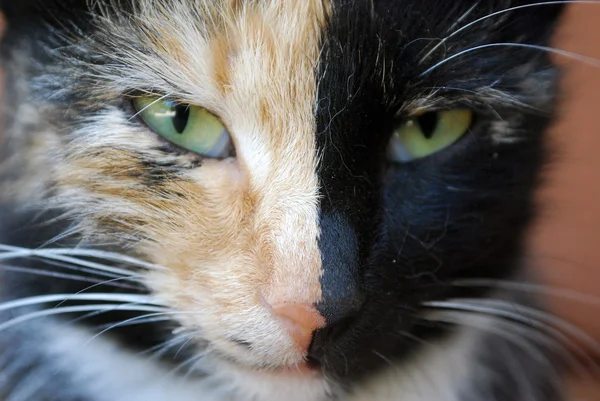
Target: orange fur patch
x=237, y=233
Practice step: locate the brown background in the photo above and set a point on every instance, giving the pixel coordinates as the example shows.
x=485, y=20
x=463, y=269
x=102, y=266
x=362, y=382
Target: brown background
x=565, y=243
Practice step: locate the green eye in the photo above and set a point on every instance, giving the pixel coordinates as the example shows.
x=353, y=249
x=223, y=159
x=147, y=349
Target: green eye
x=428, y=133
x=187, y=126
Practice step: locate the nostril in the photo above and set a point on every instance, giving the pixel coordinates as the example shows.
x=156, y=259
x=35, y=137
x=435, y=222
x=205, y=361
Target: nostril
x=324, y=338
x=301, y=321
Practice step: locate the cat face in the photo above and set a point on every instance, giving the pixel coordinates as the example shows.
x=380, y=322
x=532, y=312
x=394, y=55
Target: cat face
x=329, y=221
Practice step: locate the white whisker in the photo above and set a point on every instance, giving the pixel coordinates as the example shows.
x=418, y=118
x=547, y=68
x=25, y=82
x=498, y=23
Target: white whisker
x=458, y=21
x=500, y=12
x=193, y=367
x=108, y=297
x=65, y=276
x=143, y=320
x=519, y=313
x=128, y=322
x=159, y=350
x=522, y=336
x=106, y=282
x=76, y=268
x=92, y=253
x=527, y=316
x=74, y=261
x=150, y=105
x=575, y=56
x=77, y=309
x=532, y=288
x=190, y=336
x=189, y=363
x=65, y=234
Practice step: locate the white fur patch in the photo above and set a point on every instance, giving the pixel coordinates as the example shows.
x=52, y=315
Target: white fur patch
x=437, y=373
x=108, y=373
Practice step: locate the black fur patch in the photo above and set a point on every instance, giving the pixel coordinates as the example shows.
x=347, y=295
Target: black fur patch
x=457, y=214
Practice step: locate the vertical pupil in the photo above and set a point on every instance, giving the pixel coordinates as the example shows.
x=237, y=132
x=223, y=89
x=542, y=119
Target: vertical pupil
x=428, y=123
x=180, y=120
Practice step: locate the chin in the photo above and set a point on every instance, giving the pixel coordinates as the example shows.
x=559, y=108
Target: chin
x=302, y=382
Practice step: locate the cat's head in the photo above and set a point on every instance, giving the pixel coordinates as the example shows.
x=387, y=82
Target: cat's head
x=309, y=175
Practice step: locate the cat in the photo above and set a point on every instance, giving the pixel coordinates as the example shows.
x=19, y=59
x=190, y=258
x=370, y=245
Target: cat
x=273, y=200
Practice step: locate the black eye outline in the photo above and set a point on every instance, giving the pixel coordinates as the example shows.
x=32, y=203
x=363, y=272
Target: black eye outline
x=421, y=128
x=229, y=150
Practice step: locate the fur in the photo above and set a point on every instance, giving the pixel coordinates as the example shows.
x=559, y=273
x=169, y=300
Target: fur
x=308, y=211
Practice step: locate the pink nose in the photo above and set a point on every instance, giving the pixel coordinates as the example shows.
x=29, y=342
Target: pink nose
x=301, y=321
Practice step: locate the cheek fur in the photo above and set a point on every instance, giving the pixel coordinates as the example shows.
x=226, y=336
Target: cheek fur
x=229, y=250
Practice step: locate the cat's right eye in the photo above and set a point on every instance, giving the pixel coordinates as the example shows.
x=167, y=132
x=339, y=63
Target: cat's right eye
x=187, y=126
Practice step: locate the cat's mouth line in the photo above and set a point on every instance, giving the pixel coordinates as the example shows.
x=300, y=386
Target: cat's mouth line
x=307, y=368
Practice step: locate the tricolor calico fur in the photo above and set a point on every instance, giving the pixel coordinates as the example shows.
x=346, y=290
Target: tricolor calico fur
x=307, y=265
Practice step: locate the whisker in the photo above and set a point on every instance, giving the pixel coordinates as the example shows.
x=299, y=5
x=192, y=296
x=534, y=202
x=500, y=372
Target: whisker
x=128, y=322
x=159, y=350
x=462, y=17
x=30, y=383
x=190, y=336
x=385, y=359
x=65, y=276
x=527, y=315
x=77, y=309
x=102, y=283
x=62, y=265
x=65, y=234
x=92, y=253
x=150, y=105
x=74, y=261
x=110, y=282
x=415, y=338
x=143, y=320
x=70, y=266
x=192, y=368
x=532, y=288
x=165, y=311
x=524, y=339
x=549, y=319
x=189, y=363
x=575, y=56
x=500, y=12
x=108, y=297
x=111, y=256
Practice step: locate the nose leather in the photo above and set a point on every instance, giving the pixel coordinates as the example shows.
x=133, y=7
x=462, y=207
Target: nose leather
x=301, y=321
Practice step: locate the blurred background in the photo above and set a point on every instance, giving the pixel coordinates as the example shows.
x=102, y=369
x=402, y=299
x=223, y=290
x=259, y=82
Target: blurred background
x=565, y=243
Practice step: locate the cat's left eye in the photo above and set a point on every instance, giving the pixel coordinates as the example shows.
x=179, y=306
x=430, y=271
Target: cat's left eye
x=428, y=133
x=191, y=127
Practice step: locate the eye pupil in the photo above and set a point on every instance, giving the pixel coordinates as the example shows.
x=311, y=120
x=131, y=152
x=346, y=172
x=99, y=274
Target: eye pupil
x=428, y=123
x=180, y=120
